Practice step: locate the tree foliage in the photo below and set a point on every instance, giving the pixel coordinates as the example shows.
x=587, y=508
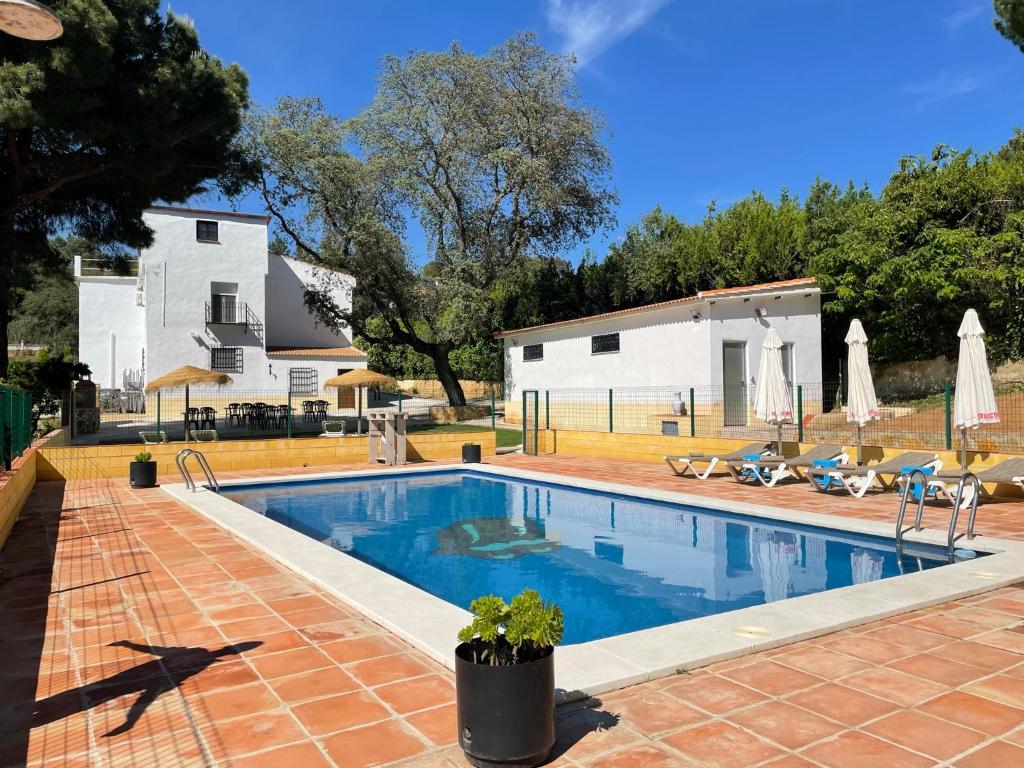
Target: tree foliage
x=123, y=110
x=1010, y=21
x=493, y=157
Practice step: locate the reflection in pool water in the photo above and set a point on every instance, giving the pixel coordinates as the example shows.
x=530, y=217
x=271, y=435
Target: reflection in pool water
x=614, y=563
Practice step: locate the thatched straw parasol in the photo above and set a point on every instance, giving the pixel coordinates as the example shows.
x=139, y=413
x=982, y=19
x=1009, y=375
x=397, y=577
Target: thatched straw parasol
x=360, y=378
x=186, y=376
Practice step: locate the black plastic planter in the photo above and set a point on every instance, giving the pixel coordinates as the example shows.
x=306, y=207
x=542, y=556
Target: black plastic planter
x=142, y=474
x=506, y=714
x=470, y=454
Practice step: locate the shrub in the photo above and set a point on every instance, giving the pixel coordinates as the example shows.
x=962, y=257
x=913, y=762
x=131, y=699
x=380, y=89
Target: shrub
x=144, y=456
x=504, y=634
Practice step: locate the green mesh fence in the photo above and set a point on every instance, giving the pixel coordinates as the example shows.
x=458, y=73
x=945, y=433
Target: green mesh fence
x=15, y=422
x=920, y=417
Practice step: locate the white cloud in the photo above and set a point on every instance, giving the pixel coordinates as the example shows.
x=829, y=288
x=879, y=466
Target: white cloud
x=945, y=85
x=590, y=27
x=965, y=14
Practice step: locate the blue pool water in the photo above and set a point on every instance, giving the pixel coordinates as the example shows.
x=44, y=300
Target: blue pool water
x=614, y=563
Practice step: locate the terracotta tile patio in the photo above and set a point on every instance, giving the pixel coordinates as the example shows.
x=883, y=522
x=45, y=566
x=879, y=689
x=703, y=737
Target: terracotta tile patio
x=136, y=633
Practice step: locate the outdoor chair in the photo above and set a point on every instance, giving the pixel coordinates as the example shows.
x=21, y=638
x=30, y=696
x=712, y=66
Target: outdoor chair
x=233, y=413
x=771, y=469
x=208, y=417
x=946, y=484
x=281, y=413
x=690, y=460
x=246, y=410
x=151, y=438
x=307, y=410
x=192, y=418
x=320, y=409
x=857, y=480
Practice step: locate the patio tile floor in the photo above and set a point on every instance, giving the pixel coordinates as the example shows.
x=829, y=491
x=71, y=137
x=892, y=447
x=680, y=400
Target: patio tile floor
x=137, y=633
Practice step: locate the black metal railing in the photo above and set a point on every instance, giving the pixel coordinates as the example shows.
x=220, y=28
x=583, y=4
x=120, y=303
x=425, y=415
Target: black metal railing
x=226, y=359
x=226, y=310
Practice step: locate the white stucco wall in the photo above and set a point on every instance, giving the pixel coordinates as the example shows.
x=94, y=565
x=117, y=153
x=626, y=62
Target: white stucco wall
x=109, y=321
x=288, y=322
x=795, y=316
x=666, y=346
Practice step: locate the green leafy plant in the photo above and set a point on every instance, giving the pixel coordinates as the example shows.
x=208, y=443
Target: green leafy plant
x=471, y=444
x=144, y=456
x=503, y=634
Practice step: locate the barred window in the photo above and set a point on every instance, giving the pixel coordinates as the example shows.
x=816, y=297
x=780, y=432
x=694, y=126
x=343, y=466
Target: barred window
x=533, y=352
x=303, y=380
x=608, y=342
x=226, y=359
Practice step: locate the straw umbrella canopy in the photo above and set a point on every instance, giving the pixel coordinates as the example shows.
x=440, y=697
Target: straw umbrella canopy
x=861, y=405
x=975, y=402
x=772, y=402
x=29, y=20
x=360, y=378
x=185, y=377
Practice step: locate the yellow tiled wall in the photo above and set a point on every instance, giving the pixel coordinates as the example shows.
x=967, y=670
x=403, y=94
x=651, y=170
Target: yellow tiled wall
x=15, y=490
x=85, y=462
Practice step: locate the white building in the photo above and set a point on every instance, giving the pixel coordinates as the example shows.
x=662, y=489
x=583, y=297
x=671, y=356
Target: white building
x=209, y=293
x=712, y=339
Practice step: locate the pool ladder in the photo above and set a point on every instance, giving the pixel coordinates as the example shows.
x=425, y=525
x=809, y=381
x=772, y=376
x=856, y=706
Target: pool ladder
x=182, y=461
x=968, y=478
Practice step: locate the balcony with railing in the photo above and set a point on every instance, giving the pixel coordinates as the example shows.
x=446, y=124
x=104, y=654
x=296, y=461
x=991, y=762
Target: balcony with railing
x=226, y=310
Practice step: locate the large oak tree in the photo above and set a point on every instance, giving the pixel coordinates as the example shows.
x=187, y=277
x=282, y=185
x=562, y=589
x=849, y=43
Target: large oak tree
x=125, y=109
x=494, y=157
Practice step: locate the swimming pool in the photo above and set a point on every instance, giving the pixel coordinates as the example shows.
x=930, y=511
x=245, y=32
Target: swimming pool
x=615, y=563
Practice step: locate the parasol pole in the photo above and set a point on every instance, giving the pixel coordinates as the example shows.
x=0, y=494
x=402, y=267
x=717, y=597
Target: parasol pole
x=185, y=416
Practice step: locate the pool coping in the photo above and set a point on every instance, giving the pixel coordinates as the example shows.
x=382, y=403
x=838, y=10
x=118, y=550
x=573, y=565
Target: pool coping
x=430, y=624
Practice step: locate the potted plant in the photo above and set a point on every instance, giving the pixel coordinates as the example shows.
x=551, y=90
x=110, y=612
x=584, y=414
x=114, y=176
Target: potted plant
x=470, y=453
x=505, y=681
x=142, y=471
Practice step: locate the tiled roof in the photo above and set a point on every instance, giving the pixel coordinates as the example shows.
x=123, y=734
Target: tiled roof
x=324, y=352
x=701, y=296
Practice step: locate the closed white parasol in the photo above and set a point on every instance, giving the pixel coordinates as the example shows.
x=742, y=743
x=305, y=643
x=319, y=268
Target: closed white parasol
x=772, y=402
x=861, y=403
x=975, y=402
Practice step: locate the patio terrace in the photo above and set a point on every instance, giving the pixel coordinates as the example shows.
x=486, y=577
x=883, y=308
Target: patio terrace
x=137, y=633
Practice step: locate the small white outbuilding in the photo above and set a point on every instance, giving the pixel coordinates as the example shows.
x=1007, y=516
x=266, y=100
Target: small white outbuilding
x=713, y=339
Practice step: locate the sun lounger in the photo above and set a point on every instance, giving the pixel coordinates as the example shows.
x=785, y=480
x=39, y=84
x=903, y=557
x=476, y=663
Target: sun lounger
x=856, y=480
x=1008, y=471
x=690, y=460
x=772, y=469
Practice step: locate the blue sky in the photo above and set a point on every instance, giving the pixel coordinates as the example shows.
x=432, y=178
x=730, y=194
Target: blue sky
x=703, y=100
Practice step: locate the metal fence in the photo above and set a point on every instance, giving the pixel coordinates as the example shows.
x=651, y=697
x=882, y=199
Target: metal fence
x=918, y=419
x=212, y=413
x=15, y=423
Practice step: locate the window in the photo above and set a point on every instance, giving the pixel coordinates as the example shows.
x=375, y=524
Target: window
x=226, y=359
x=608, y=342
x=787, y=362
x=303, y=380
x=206, y=232
x=533, y=352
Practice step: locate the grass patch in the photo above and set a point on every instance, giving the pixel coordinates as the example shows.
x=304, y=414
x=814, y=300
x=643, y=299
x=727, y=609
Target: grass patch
x=504, y=438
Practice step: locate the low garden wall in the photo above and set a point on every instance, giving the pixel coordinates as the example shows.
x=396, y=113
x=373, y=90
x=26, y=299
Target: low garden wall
x=15, y=488
x=111, y=461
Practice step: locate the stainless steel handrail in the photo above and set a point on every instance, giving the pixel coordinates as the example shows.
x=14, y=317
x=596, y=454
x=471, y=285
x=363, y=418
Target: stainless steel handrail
x=951, y=536
x=182, y=461
x=908, y=485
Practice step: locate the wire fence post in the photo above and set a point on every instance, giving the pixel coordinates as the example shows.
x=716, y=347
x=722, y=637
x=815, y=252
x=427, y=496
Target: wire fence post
x=547, y=409
x=158, y=418
x=289, y=412
x=524, y=421
x=799, y=413
x=949, y=418
x=5, y=409
x=693, y=415
x=494, y=415
x=611, y=411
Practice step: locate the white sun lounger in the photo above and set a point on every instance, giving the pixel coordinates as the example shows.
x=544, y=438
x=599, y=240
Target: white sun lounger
x=690, y=460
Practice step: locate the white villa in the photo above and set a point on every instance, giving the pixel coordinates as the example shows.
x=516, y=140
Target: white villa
x=209, y=293
x=712, y=339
